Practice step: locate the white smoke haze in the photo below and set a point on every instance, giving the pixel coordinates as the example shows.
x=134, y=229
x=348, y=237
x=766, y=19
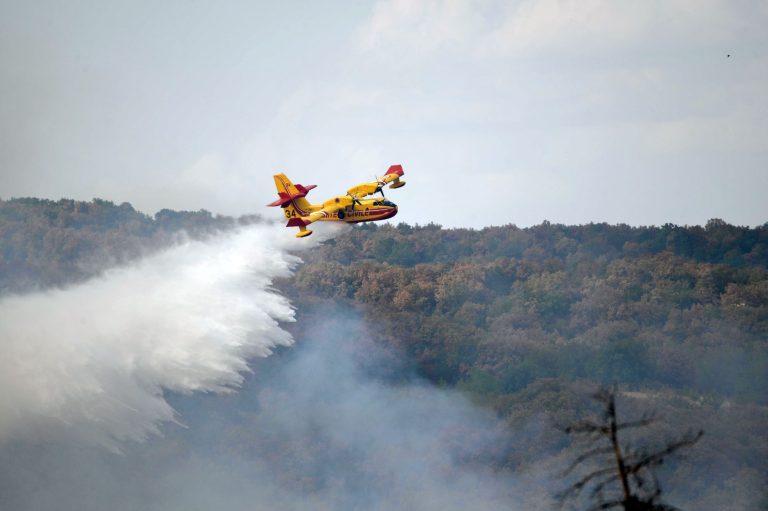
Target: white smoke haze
x=94, y=360
x=111, y=399
x=317, y=426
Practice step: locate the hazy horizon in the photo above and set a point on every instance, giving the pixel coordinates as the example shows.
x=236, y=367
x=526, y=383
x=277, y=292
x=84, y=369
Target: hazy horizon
x=500, y=112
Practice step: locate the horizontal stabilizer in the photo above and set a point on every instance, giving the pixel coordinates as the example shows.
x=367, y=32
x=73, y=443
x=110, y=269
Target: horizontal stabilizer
x=297, y=222
x=305, y=189
x=285, y=198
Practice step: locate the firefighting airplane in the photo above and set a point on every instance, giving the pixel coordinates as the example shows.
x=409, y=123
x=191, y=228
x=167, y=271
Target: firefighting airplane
x=350, y=208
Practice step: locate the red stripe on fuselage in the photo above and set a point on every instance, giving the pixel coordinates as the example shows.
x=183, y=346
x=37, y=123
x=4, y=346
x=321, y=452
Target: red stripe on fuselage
x=362, y=215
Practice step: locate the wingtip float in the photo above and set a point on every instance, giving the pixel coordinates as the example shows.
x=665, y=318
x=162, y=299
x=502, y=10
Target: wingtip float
x=355, y=206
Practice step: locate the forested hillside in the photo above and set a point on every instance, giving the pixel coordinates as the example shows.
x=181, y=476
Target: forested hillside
x=528, y=320
x=496, y=309
x=524, y=321
x=51, y=243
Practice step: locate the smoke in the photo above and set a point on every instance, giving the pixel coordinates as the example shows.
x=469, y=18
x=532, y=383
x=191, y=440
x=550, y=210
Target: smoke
x=137, y=361
x=331, y=423
x=94, y=360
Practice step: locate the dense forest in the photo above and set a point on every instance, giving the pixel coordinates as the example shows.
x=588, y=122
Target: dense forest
x=496, y=309
x=524, y=321
x=519, y=318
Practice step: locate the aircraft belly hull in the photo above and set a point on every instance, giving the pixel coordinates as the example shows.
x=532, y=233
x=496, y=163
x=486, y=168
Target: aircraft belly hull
x=378, y=216
x=362, y=216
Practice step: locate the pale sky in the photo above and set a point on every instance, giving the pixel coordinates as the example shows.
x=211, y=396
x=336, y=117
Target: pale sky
x=500, y=111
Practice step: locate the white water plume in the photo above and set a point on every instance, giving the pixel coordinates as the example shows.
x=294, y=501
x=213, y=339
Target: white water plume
x=94, y=360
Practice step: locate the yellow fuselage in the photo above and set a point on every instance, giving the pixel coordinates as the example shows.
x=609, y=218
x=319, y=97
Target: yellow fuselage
x=364, y=210
x=350, y=208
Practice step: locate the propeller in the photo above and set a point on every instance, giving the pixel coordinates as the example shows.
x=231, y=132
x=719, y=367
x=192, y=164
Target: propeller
x=355, y=200
x=380, y=186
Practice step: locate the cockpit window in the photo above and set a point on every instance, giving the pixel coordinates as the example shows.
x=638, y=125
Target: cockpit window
x=388, y=203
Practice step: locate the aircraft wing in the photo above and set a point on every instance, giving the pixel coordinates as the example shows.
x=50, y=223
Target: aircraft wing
x=363, y=190
x=392, y=176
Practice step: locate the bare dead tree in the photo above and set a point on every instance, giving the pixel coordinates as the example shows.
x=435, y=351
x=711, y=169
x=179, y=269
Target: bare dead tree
x=624, y=477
